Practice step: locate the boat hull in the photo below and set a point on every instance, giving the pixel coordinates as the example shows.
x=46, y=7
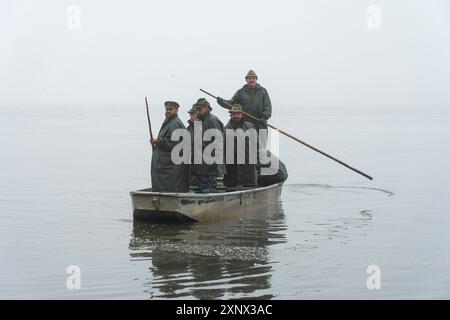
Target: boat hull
x=191, y=207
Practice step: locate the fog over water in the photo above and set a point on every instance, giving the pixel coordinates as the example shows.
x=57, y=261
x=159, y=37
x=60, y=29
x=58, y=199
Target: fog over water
x=309, y=54
x=74, y=143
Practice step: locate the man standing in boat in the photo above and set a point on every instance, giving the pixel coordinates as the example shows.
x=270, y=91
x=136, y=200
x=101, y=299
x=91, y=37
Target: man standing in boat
x=192, y=118
x=238, y=172
x=254, y=100
x=167, y=176
x=206, y=173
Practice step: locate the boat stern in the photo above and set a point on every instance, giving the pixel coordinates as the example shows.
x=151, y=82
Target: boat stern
x=157, y=207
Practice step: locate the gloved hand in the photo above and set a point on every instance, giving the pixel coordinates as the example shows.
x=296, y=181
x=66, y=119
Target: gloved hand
x=263, y=121
x=219, y=100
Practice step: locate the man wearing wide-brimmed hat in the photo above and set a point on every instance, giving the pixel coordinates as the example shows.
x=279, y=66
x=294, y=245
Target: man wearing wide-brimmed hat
x=167, y=176
x=207, y=173
x=240, y=174
x=254, y=100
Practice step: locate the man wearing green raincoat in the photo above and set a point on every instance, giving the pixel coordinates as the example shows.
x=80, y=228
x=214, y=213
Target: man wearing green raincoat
x=254, y=100
x=207, y=173
x=167, y=176
x=240, y=174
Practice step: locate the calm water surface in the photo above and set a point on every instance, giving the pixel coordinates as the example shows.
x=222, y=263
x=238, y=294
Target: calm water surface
x=66, y=174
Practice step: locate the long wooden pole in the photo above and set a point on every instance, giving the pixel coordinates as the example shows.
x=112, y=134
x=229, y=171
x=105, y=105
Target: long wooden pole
x=148, y=119
x=296, y=139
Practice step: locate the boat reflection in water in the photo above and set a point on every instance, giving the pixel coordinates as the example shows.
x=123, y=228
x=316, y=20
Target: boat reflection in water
x=226, y=259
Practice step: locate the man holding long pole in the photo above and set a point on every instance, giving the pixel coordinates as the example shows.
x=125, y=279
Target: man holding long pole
x=250, y=116
x=167, y=176
x=254, y=100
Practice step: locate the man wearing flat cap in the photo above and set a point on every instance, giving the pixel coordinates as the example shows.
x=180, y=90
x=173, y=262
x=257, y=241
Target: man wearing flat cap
x=167, y=176
x=207, y=173
x=254, y=100
x=240, y=174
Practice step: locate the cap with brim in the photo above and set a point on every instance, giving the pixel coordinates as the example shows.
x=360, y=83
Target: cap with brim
x=251, y=73
x=202, y=102
x=193, y=110
x=236, y=109
x=171, y=104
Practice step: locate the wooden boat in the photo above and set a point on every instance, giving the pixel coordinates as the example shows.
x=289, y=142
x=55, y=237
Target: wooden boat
x=192, y=207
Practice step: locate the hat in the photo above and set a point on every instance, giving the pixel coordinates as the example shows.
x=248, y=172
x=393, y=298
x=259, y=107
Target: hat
x=193, y=110
x=251, y=73
x=202, y=102
x=171, y=104
x=235, y=108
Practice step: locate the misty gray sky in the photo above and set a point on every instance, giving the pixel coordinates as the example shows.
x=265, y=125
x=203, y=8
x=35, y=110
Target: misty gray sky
x=308, y=54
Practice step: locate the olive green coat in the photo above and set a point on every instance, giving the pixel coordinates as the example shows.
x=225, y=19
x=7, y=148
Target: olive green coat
x=209, y=121
x=254, y=101
x=240, y=174
x=192, y=178
x=166, y=176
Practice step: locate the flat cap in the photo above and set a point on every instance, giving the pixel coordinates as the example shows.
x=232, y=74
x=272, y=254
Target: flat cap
x=171, y=104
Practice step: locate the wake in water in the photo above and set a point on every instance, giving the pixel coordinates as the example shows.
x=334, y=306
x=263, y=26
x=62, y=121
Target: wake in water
x=327, y=186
